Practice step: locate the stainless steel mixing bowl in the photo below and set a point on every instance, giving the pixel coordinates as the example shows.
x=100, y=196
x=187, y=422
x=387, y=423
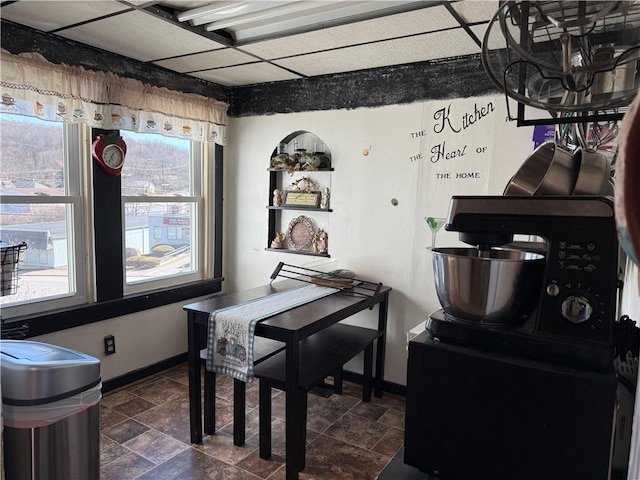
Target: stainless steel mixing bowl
x=594, y=174
x=550, y=170
x=499, y=286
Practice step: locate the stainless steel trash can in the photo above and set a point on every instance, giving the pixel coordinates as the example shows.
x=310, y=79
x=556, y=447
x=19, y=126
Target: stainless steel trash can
x=51, y=412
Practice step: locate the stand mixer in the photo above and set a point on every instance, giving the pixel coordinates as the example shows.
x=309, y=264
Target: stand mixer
x=571, y=318
x=513, y=378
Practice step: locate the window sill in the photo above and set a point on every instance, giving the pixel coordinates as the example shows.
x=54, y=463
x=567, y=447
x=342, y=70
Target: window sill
x=62, y=319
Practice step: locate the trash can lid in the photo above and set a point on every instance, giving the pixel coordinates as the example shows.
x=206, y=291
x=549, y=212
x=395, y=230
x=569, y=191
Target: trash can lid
x=34, y=373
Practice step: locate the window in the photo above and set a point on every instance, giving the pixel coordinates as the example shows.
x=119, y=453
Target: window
x=42, y=205
x=163, y=200
x=166, y=205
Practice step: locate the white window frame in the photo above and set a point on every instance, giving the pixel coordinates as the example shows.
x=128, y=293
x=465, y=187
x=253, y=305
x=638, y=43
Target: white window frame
x=202, y=184
x=80, y=217
x=77, y=199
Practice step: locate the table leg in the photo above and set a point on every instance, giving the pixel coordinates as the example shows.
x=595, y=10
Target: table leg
x=264, y=409
x=239, y=396
x=366, y=373
x=293, y=416
x=302, y=400
x=209, y=402
x=383, y=308
x=195, y=402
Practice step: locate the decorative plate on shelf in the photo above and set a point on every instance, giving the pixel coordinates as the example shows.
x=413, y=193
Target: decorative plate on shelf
x=300, y=233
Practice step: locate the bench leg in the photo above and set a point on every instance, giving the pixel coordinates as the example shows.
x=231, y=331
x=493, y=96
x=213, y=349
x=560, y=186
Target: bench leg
x=337, y=382
x=367, y=372
x=264, y=409
x=209, y=402
x=239, y=399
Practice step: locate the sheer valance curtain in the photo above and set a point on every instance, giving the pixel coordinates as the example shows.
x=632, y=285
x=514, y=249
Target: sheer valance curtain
x=30, y=85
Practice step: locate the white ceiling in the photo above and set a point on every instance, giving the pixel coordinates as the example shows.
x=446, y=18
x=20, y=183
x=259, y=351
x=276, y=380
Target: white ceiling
x=320, y=37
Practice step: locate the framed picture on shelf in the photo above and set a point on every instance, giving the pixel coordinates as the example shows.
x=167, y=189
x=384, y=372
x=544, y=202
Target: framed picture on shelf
x=301, y=199
x=300, y=233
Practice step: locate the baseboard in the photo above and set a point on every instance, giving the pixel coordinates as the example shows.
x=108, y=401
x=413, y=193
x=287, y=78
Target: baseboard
x=390, y=387
x=143, y=373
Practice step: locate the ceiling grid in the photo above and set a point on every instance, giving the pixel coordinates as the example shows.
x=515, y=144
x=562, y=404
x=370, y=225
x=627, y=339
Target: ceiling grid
x=290, y=39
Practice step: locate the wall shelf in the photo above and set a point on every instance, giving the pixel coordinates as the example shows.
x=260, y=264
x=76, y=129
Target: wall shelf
x=297, y=252
x=308, y=209
x=292, y=145
x=284, y=170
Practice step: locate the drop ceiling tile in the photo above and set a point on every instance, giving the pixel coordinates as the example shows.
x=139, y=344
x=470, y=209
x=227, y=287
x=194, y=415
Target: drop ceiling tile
x=418, y=48
x=207, y=60
x=47, y=16
x=140, y=36
x=399, y=25
x=477, y=10
x=496, y=38
x=246, y=74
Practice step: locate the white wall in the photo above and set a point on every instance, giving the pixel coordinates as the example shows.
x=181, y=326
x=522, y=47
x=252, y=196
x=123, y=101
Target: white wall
x=367, y=234
x=142, y=339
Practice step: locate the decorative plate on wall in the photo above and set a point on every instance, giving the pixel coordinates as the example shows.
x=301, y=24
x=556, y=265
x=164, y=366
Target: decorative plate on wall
x=300, y=233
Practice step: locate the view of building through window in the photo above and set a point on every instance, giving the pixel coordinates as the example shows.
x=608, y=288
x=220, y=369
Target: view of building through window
x=42, y=205
x=160, y=207
x=37, y=209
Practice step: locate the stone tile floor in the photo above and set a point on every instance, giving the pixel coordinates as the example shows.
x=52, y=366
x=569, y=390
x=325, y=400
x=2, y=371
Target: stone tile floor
x=145, y=434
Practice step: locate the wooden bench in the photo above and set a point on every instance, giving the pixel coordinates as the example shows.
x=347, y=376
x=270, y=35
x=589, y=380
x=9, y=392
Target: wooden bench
x=321, y=355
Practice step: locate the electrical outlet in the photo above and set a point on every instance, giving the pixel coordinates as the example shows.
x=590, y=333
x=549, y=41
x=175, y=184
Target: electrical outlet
x=109, y=345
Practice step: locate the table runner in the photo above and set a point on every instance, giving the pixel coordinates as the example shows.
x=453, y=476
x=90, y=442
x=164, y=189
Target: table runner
x=231, y=330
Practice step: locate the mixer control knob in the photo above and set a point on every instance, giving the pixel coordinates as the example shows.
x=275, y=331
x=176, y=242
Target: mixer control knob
x=576, y=309
x=553, y=289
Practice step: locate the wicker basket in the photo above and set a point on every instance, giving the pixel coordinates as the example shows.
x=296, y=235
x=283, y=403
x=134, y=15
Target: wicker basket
x=9, y=266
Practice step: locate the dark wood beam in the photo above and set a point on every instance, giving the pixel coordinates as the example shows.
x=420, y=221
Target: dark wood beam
x=19, y=39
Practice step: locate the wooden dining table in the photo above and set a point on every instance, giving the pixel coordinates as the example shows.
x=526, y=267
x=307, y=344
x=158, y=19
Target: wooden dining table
x=289, y=327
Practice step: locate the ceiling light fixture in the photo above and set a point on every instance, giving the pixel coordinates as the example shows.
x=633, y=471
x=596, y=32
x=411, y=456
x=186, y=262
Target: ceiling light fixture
x=263, y=19
x=217, y=8
x=232, y=10
x=265, y=14
x=329, y=13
